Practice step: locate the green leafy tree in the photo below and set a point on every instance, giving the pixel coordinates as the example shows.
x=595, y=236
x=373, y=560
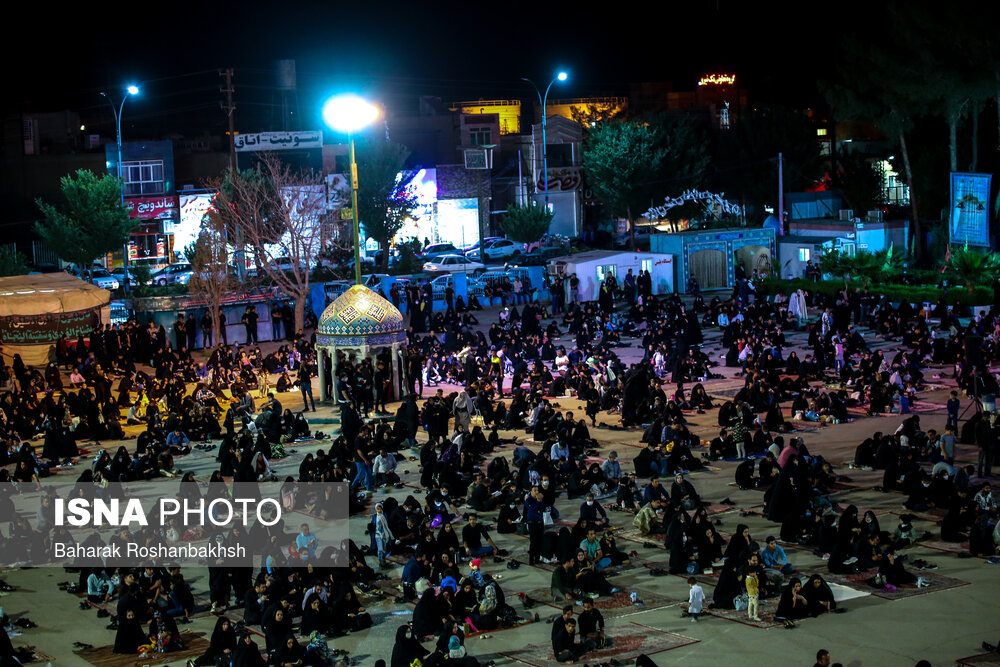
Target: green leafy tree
x=633, y=164
x=142, y=276
x=526, y=224
x=384, y=197
x=92, y=222
x=12, y=263
x=859, y=180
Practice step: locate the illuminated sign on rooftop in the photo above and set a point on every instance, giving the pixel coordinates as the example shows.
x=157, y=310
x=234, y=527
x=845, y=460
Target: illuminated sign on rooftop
x=717, y=80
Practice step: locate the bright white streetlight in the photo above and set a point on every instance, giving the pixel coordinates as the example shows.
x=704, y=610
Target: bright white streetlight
x=349, y=113
x=133, y=90
x=563, y=76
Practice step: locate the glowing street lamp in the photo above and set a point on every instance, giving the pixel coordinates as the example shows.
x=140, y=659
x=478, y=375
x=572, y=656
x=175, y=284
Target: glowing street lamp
x=561, y=76
x=130, y=91
x=348, y=114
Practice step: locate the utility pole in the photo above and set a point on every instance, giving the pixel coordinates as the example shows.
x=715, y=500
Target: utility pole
x=781, y=194
x=229, y=108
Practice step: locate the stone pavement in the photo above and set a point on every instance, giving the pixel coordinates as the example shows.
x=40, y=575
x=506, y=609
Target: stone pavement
x=941, y=625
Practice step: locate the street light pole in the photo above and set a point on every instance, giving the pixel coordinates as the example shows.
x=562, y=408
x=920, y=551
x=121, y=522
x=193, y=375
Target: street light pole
x=562, y=76
x=130, y=91
x=354, y=212
x=348, y=114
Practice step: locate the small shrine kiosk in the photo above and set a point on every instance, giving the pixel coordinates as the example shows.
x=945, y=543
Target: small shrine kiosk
x=360, y=323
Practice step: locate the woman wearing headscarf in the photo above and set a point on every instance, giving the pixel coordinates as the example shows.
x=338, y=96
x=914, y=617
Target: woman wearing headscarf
x=221, y=645
x=870, y=526
x=425, y=619
x=794, y=603
x=130, y=635
x=247, y=654
x=289, y=653
x=381, y=534
x=348, y=614
x=674, y=542
x=463, y=409
x=820, y=596
x=739, y=544
x=407, y=648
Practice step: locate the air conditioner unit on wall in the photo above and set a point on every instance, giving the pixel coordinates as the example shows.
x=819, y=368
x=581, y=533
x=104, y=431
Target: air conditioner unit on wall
x=846, y=214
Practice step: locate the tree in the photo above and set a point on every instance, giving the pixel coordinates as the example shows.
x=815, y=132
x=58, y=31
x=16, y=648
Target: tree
x=859, y=180
x=12, y=263
x=747, y=155
x=631, y=164
x=876, y=84
x=281, y=215
x=211, y=276
x=526, y=224
x=589, y=116
x=973, y=267
x=384, y=197
x=91, y=224
x=249, y=196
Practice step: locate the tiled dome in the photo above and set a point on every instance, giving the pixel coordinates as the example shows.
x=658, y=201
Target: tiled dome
x=360, y=312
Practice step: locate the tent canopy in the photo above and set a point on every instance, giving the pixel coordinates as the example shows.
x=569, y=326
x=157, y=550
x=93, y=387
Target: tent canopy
x=45, y=293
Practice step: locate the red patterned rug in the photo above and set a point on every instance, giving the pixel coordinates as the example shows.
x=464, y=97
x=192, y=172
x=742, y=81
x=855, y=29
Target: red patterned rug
x=765, y=610
x=951, y=547
x=630, y=641
x=611, y=606
x=860, y=582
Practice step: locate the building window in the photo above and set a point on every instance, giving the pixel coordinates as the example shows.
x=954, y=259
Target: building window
x=144, y=177
x=821, y=132
x=804, y=254
x=480, y=136
x=606, y=270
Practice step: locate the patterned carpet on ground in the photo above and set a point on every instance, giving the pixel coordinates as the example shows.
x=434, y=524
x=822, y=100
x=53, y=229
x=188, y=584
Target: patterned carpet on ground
x=950, y=547
x=630, y=641
x=611, y=606
x=104, y=656
x=860, y=582
x=765, y=610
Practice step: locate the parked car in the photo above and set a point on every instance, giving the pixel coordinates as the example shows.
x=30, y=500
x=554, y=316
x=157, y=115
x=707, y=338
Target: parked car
x=103, y=279
x=475, y=246
x=643, y=235
x=452, y=264
x=173, y=274
x=501, y=249
x=541, y=256
x=119, y=273
x=435, y=250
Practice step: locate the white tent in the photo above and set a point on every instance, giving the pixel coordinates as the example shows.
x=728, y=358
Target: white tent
x=38, y=309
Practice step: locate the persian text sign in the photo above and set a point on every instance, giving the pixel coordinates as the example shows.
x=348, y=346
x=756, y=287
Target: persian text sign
x=969, y=222
x=277, y=141
x=46, y=327
x=151, y=208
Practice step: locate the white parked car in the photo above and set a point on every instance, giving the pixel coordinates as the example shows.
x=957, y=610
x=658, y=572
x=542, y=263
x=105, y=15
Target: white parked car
x=501, y=249
x=452, y=264
x=103, y=279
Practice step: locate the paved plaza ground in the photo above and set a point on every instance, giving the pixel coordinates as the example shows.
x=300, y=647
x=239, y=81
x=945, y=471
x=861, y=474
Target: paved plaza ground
x=941, y=624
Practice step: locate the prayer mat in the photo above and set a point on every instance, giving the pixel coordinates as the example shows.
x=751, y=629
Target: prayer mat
x=633, y=535
x=981, y=660
x=765, y=610
x=611, y=606
x=630, y=641
x=950, y=547
x=860, y=582
x=104, y=656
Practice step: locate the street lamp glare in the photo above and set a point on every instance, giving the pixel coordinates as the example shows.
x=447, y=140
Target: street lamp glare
x=133, y=90
x=349, y=113
x=562, y=76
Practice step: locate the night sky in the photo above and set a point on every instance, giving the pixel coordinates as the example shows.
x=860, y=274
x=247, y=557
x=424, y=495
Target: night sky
x=396, y=51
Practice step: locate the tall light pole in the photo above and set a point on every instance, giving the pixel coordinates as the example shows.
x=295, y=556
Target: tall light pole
x=129, y=92
x=349, y=113
x=543, y=99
